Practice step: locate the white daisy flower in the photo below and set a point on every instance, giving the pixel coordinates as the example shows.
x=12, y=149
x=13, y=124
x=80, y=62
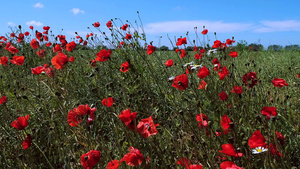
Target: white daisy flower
x=211, y=51
x=194, y=67
x=188, y=64
x=258, y=150
x=171, y=78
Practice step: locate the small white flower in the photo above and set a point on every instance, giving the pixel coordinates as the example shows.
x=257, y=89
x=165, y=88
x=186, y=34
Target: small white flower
x=212, y=51
x=188, y=64
x=258, y=150
x=194, y=67
x=171, y=78
x=216, y=65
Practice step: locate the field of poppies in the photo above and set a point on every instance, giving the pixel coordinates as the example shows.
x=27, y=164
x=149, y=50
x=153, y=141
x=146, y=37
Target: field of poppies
x=129, y=105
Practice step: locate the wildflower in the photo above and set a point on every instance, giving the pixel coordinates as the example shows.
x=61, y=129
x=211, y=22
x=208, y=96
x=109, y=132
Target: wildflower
x=21, y=122
x=188, y=64
x=108, y=102
x=177, y=50
x=257, y=140
x=124, y=27
x=237, y=90
x=27, y=142
x=114, y=164
x=37, y=70
x=223, y=73
x=279, y=83
x=41, y=53
x=4, y=60
x=96, y=24
x=233, y=54
x=198, y=56
x=229, y=41
x=204, y=32
x=274, y=151
x=194, y=166
x=212, y=51
x=251, y=76
x=217, y=44
x=203, y=72
x=269, y=112
x=38, y=35
x=202, y=119
x=184, y=162
x=26, y=33
x=150, y=49
x=128, y=118
x=169, y=63
x=30, y=27
x=181, y=41
x=70, y=46
x=279, y=136
x=103, y=55
x=48, y=44
x=171, y=78
x=124, y=67
x=229, y=150
x=73, y=118
x=223, y=96
x=182, y=53
x=195, y=49
x=145, y=125
x=258, y=150
x=109, y=24
x=225, y=123
x=90, y=159
x=71, y=59
x=3, y=99
x=202, y=85
x=18, y=60
x=133, y=158
x=229, y=165
x=128, y=36
x=181, y=82
x=59, y=61
x=202, y=50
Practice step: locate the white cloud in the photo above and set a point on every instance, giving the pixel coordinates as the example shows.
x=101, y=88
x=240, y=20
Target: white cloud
x=38, y=5
x=76, y=11
x=11, y=24
x=278, y=26
x=34, y=23
x=184, y=26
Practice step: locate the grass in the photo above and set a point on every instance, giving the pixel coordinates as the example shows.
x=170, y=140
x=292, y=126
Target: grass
x=145, y=89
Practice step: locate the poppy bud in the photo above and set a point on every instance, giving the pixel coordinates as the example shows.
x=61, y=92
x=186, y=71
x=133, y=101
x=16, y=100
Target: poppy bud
x=76, y=33
x=20, y=27
x=203, y=27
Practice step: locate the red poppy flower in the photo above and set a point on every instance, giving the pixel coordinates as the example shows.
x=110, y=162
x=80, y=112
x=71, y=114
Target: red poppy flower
x=181, y=82
x=109, y=24
x=124, y=27
x=46, y=28
x=269, y=112
x=198, y=56
x=124, y=67
x=204, y=32
x=18, y=60
x=195, y=49
x=181, y=41
x=279, y=82
x=48, y=44
x=217, y=44
x=37, y=70
x=150, y=49
x=27, y=142
x=38, y=35
x=71, y=59
x=122, y=43
x=85, y=110
x=114, y=164
x=128, y=36
x=225, y=123
x=108, y=102
x=3, y=99
x=182, y=53
x=233, y=54
x=49, y=71
x=203, y=72
x=274, y=151
x=229, y=150
x=202, y=85
x=177, y=50
x=41, y=53
x=96, y=24
x=202, y=118
x=223, y=95
x=229, y=41
x=133, y=158
x=93, y=63
x=21, y=122
x=11, y=48
x=223, y=73
x=144, y=126
x=184, y=162
x=26, y=33
x=194, y=166
x=20, y=37
x=128, y=118
x=70, y=46
x=59, y=61
x=298, y=75
x=237, y=90
x=257, y=140
x=251, y=76
x=202, y=50
x=73, y=118
x=103, y=55
x=280, y=137
x=4, y=60
x=90, y=159
x=168, y=63
x=229, y=165
x=12, y=35
x=30, y=27
x=34, y=44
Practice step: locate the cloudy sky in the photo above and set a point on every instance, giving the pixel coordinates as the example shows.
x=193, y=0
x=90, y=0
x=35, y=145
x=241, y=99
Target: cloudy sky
x=257, y=21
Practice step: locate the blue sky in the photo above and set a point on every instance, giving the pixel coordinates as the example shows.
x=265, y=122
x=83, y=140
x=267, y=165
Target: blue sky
x=257, y=21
